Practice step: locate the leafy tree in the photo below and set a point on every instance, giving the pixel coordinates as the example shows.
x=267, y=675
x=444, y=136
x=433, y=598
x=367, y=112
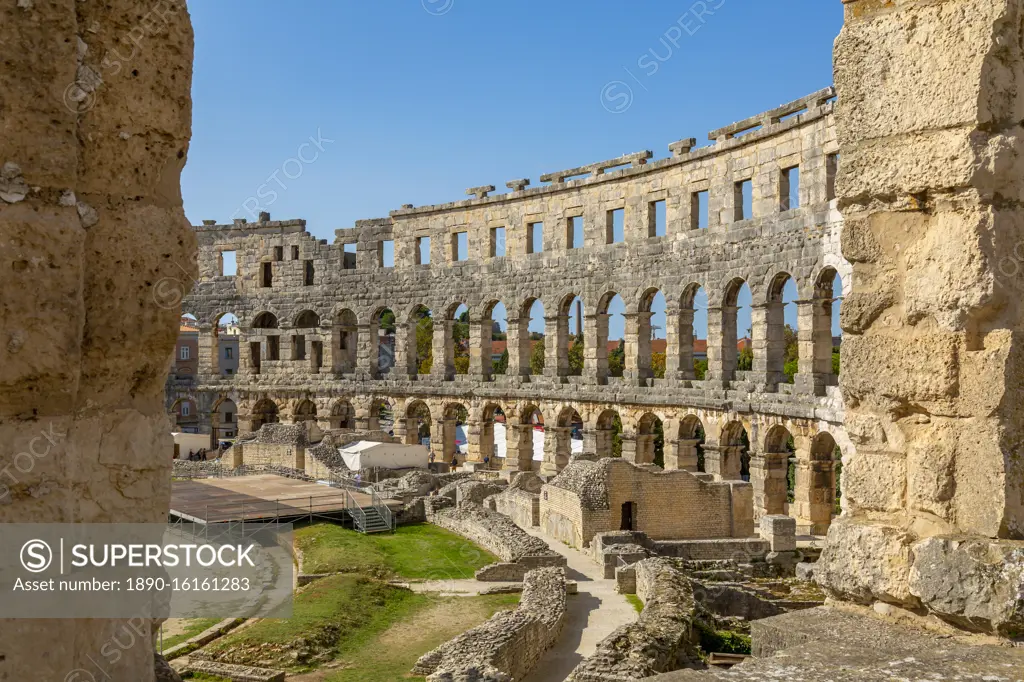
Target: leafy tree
x=537, y=357
x=745, y=361
x=576, y=356
x=425, y=344
x=658, y=365
x=835, y=361
x=616, y=437
x=387, y=322
x=700, y=369
x=791, y=357
x=461, y=363
x=500, y=366
x=617, y=360
x=659, y=443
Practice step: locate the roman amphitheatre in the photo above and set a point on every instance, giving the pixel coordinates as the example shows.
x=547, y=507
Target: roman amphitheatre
x=692, y=500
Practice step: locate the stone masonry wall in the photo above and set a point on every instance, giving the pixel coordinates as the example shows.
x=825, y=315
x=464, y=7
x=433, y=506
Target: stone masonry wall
x=511, y=641
x=931, y=96
x=491, y=530
x=97, y=257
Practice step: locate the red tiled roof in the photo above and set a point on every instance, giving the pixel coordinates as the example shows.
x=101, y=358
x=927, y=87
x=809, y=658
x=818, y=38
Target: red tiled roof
x=498, y=347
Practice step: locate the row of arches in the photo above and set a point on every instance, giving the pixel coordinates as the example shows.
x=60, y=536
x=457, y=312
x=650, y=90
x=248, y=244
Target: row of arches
x=650, y=338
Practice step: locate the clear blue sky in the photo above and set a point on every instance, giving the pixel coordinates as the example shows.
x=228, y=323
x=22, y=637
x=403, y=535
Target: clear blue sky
x=412, y=101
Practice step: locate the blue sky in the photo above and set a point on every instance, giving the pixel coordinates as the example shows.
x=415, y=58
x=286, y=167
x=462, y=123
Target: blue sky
x=341, y=110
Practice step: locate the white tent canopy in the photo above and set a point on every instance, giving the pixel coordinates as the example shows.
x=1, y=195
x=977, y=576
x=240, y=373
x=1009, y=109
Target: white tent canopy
x=368, y=454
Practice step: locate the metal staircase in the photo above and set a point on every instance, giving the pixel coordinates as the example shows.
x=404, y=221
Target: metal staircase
x=376, y=518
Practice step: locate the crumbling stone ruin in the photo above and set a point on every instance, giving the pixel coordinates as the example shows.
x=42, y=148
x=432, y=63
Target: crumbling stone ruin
x=316, y=318
x=97, y=256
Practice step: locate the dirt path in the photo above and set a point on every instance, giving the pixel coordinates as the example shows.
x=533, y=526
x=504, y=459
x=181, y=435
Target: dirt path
x=593, y=613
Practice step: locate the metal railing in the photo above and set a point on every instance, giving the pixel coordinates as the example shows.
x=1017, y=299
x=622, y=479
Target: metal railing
x=385, y=512
x=356, y=512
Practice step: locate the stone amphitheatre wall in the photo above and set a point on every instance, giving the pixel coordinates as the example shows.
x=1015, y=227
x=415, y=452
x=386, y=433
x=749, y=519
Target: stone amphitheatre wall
x=310, y=311
x=97, y=256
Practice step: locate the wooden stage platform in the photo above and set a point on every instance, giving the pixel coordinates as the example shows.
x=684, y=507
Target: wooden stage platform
x=263, y=497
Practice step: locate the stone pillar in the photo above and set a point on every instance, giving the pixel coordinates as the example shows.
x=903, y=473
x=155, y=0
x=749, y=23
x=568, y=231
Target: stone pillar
x=929, y=189
x=519, y=446
x=721, y=344
x=629, y=446
x=767, y=342
x=674, y=342
x=557, y=449
x=443, y=348
x=724, y=461
x=556, y=347
x=368, y=349
x=518, y=344
x=768, y=478
x=601, y=441
x=595, y=349
x=645, y=448
x=405, y=350
x=814, y=496
x=208, y=352
x=451, y=449
x=808, y=378
x=95, y=238
x=480, y=366
x=473, y=444
x=681, y=454
x=642, y=356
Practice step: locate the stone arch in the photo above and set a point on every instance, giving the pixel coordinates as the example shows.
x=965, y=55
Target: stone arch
x=521, y=341
x=343, y=415
x=220, y=348
x=682, y=352
x=558, y=439
x=420, y=321
x=418, y=422
x=726, y=346
x=493, y=438
x=186, y=414
x=455, y=340
x=265, y=320
x=607, y=434
x=650, y=440
x=566, y=338
x=304, y=411
x=816, y=341
x=770, y=472
x=224, y=419
x=306, y=319
x=453, y=441
x=484, y=335
x=689, y=455
x=382, y=346
x=651, y=300
x=815, y=493
x=605, y=365
x=344, y=341
x=729, y=460
x=380, y=413
x=770, y=329
x=265, y=411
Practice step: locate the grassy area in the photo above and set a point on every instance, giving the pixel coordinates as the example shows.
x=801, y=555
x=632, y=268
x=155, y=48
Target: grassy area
x=354, y=619
x=413, y=552
x=192, y=628
x=636, y=602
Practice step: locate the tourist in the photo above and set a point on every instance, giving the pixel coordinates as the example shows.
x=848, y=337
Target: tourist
x=191, y=455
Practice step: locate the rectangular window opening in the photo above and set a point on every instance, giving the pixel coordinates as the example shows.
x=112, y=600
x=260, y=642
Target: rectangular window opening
x=298, y=347
x=497, y=242
x=295, y=253
x=699, y=210
x=229, y=353
x=228, y=263
x=615, y=227
x=574, y=232
x=743, y=197
x=423, y=251
x=831, y=169
x=254, y=354
x=534, y=237
x=657, y=221
x=279, y=253
x=308, y=281
x=267, y=276
x=386, y=253
x=348, y=257
x=185, y=352
x=273, y=348
x=789, y=188
x=460, y=246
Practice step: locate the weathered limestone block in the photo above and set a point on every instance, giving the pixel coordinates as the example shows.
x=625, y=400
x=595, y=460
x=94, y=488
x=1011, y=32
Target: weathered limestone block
x=978, y=583
x=98, y=256
x=864, y=561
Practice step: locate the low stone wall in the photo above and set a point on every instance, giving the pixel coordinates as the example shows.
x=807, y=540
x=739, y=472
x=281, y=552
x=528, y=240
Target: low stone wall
x=521, y=506
x=511, y=642
x=235, y=673
x=740, y=550
x=660, y=641
x=491, y=530
x=503, y=571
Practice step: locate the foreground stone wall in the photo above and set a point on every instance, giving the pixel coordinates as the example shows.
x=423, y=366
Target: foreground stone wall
x=511, y=642
x=97, y=257
x=496, y=533
x=662, y=639
x=931, y=189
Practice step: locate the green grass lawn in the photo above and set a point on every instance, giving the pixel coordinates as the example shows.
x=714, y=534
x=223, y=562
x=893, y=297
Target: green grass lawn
x=636, y=602
x=193, y=628
x=413, y=552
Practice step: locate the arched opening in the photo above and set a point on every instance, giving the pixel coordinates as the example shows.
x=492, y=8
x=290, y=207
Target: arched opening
x=456, y=343
x=345, y=339
x=533, y=348
x=455, y=443
x=532, y=423
x=265, y=321
x=224, y=346
x=307, y=319
x=263, y=412
x=692, y=333
x=186, y=351
x=815, y=487
x=265, y=341
x=771, y=473
x=383, y=337
x=569, y=337
x=826, y=336
x=610, y=323
x=306, y=349
x=493, y=435
x=417, y=423
x=837, y=331
x=494, y=352
x=782, y=352
x=690, y=445
x=650, y=440
x=186, y=416
x=566, y=437
x=224, y=419
x=651, y=341
x=608, y=434
x=382, y=415
x=734, y=317
x=305, y=411
x=421, y=352
x=343, y=416
x=732, y=460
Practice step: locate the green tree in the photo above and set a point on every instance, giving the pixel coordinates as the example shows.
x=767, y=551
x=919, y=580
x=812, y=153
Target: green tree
x=745, y=360
x=659, y=443
x=835, y=361
x=537, y=357
x=460, y=339
x=576, y=356
x=387, y=322
x=617, y=360
x=500, y=366
x=461, y=363
x=658, y=365
x=616, y=437
x=791, y=357
x=700, y=369
x=425, y=344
